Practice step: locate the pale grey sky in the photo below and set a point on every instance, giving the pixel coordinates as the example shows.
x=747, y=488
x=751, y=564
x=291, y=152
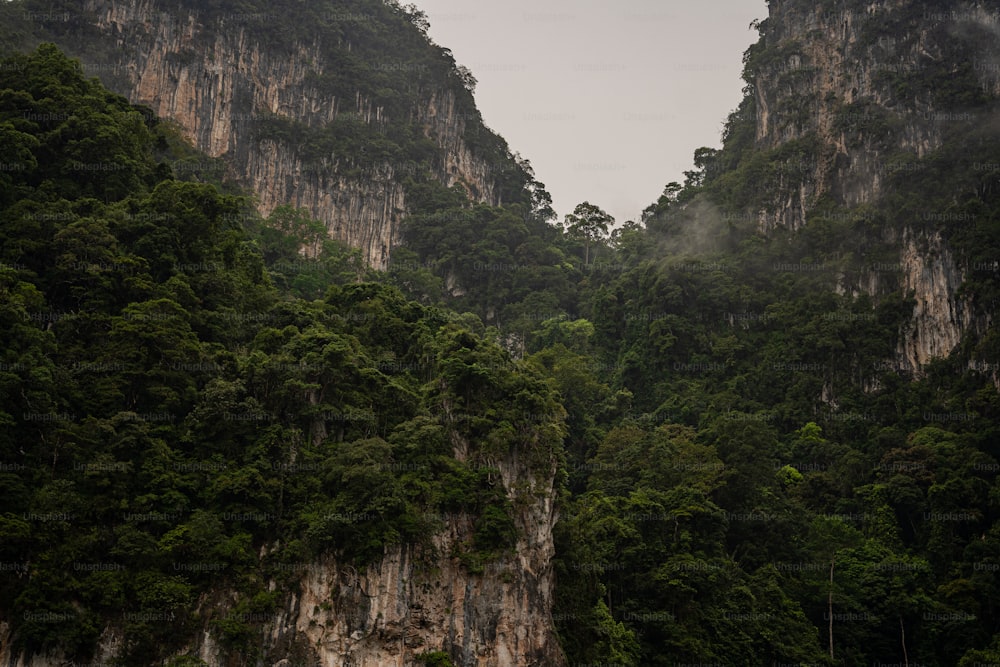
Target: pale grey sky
x=608, y=99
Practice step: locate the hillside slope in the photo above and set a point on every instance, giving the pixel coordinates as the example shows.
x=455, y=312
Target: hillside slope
x=336, y=107
x=200, y=468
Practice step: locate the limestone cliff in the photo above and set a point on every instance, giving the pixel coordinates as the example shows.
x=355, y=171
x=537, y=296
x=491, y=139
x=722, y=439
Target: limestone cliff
x=220, y=78
x=420, y=599
x=862, y=82
x=240, y=96
x=839, y=72
x=417, y=601
x=414, y=601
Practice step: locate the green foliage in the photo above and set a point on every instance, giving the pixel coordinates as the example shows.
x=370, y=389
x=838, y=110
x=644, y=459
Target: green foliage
x=300, y=257
x=435, y=659
x=868, y=122
x=742, y=471
x=588, y=223
x=186, y=661
x=789, y=421
x=189, y=398
x=615, y=641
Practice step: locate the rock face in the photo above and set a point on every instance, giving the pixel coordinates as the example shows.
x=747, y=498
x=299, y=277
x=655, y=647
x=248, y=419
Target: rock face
x=414, y=601
x=940, y=316
x=420, y=600
x=841, y=79
x=218, y=81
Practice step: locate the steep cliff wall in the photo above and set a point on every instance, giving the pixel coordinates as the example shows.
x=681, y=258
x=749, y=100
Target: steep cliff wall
x=940, y=316
x=447, y=126
x=416, y=601
x=219, y=80
x=867, y=81
x=840, y=72
x=240, y=97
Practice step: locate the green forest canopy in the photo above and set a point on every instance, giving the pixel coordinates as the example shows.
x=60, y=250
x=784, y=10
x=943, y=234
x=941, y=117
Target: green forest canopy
x=170, y=361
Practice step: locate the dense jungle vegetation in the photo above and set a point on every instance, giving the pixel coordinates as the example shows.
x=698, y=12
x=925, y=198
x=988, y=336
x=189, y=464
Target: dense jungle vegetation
x=746, y=477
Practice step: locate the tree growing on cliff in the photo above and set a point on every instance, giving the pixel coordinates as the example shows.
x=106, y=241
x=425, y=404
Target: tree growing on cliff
x=435, y=659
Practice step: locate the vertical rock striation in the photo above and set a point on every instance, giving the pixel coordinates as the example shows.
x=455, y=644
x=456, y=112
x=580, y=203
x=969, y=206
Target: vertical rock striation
x=417, y=600
x=839, y=75
x=218, y=82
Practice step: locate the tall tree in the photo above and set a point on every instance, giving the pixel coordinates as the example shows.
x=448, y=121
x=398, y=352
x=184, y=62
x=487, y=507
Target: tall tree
x=590, y=224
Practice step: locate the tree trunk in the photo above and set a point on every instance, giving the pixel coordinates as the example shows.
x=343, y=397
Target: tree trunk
x=902, y=638
x=829, y=605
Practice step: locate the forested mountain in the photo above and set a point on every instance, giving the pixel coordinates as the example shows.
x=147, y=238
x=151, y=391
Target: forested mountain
x=198, y=462
x=344, y=108
x=757, y=427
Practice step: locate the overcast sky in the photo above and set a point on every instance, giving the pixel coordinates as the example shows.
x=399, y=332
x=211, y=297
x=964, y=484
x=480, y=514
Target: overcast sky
x=608, y=99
